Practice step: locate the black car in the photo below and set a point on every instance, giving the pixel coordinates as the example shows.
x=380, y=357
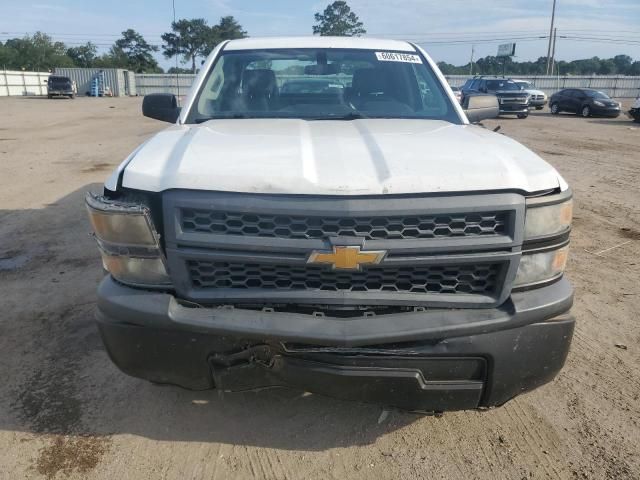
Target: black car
x=512, y=99
x=60, y=86
x=584, y=101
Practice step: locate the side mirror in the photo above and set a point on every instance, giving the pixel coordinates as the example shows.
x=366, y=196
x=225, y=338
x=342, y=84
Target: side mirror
x=480, y=107
x=161, y=106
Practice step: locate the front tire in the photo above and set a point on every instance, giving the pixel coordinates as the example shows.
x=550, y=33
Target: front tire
x=555, y=109
x=539, y=108
x=523, y=115
x=586, y=111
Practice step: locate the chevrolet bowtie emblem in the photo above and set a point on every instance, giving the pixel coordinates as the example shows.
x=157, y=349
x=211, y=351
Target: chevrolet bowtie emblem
x=347, y=258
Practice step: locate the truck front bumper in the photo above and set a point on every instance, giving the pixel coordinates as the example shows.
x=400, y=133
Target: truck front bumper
x=60, y=93
x=511, y=109
x=431, y=360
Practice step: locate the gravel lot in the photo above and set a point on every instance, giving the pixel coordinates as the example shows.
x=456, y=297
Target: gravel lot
x=66, y=412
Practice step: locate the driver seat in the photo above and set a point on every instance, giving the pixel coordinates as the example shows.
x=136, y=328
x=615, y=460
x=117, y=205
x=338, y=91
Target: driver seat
x=259, y=89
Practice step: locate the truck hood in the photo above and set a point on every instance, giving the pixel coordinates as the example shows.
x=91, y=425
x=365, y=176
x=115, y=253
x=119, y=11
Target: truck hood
x=532, y=91
x=333, y=157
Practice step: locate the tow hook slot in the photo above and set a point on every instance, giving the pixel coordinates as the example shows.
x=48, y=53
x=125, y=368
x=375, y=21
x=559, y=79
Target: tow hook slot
x=259, y=354
x=249, y=369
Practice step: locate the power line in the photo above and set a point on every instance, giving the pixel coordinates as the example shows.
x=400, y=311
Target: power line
x=456, y=37
x=431, y=38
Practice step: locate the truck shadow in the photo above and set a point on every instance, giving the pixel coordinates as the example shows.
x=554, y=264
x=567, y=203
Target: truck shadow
x=621, y=121
x=59, y=380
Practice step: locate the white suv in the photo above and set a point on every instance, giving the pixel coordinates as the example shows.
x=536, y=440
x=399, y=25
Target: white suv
x=355, y=237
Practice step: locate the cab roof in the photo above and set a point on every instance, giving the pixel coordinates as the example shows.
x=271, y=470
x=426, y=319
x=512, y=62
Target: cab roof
x=257, y=43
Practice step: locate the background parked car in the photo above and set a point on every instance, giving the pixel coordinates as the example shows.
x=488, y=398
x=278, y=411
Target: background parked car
x=513, y=100
x=61, y=86
x=538, y=98
x=311, y=85
x=457, y=93
x=585, y=102
x=634, y=113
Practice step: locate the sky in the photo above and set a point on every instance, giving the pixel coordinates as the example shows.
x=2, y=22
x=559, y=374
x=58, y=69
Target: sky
x=448, y=29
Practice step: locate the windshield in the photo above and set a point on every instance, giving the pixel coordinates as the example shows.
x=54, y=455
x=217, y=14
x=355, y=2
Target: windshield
x=59, y=80
x=497, y=85
x=596, y=94
x=524, y=84
x=321, y=84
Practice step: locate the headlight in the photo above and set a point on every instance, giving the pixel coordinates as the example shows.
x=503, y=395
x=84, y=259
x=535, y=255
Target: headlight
x=598, y=103
x=128, y=242
x=546, y=220
x=541, y=267
x=125, y=226
x=136, y=270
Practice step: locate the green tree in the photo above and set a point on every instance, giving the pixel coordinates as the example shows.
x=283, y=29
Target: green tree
x=179, y=70
x=7, y=55
x=194, y=39
x=338, y=20
x=227, y=29
x=188, y=38
x=134, y=53
x=634, y=68
x=84, y=55
x=618, y=65
x=607, y=67
x=623, y=63
x=37, y=52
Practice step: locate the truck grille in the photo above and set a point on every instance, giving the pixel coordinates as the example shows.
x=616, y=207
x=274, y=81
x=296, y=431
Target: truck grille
x=516, y=100
x=369, y=228
x=446, y=251
x=470, y=278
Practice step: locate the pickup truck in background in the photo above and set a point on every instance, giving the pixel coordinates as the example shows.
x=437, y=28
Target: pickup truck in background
x=537, y=98
x=513, y=99
x=361, y=240
x=58, y=86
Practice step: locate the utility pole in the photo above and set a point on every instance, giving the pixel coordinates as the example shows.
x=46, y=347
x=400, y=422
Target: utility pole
x=553, y=17
x=473, y=48
x=553, y=49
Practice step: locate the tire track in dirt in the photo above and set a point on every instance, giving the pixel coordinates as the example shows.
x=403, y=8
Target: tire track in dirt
x=525, y=441
x=609, y=368
x=610, y=463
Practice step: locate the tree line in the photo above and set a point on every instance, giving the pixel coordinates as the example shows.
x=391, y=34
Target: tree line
x=490, y=65
x=192, y=40
x=189, y=39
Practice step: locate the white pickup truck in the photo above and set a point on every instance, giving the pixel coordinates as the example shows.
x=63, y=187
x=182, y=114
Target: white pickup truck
x=322, y=215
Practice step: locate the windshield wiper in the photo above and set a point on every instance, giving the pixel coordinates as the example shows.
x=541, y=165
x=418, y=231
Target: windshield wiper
x=347, y=116
x=224, y=117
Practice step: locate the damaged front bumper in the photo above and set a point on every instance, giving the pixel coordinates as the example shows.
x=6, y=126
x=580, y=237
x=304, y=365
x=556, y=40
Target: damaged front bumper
x=430, y=360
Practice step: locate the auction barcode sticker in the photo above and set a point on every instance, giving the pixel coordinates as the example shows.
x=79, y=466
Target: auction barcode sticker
x=398, y=57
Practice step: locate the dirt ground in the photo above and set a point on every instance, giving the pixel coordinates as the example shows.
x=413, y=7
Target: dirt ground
x=66, y=412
